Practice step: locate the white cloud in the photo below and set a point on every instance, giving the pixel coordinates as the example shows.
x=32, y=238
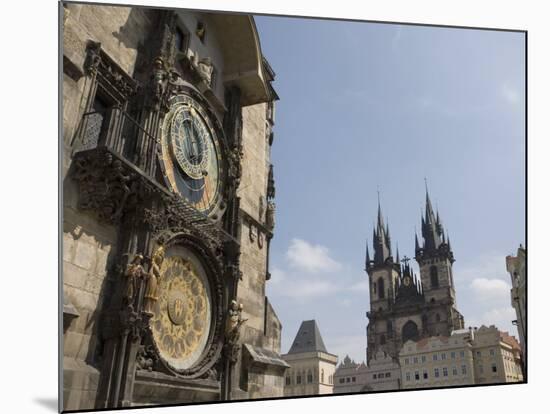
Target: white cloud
x=307, y=289
x=353, y=345
x=277, y=276
x=501, y=317
x=490, y=289
x=396, y=37
x=510, y=94
x=310, y=258
x=361, y=287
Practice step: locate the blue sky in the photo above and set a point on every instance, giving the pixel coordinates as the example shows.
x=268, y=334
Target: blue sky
x=368, y=106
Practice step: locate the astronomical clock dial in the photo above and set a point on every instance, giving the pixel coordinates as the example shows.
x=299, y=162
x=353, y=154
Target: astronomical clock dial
x=182, y=315
x=190, y=154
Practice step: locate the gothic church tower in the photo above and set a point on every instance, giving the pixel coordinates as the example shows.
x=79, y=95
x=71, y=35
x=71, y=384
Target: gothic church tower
x=435, y=259
x=402, y=306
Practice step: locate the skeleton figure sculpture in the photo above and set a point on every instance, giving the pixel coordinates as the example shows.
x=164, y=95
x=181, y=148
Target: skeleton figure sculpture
x=152, y=280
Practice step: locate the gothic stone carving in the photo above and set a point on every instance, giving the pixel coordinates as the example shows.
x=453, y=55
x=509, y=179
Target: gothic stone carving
x=152, y=280
x=104, y=183
x=233, y=326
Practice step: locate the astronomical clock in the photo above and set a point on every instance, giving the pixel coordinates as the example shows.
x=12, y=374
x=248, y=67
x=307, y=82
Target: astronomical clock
x=191, y=154
x=185, y=324
x=182, y=315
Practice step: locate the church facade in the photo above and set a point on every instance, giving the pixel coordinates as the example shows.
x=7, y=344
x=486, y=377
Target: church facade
x=168, y=208
x=403, y=306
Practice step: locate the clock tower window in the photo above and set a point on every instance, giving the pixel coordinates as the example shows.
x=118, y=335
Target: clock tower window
x=381, y=288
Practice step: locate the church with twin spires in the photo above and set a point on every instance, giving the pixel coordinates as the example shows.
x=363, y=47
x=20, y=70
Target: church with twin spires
x=403, y=306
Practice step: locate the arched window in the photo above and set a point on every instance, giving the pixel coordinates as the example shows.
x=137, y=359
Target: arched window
x=434, y=279
x=374, y=288
x=410, y=331
x=381, y=288
x=322, y=375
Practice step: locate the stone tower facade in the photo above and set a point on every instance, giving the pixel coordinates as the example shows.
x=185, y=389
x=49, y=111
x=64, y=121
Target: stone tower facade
x=403, y=306
x=168, y=208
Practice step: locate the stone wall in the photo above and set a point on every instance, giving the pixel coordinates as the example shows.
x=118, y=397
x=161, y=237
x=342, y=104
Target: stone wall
x=253, y=186
x=88, y=245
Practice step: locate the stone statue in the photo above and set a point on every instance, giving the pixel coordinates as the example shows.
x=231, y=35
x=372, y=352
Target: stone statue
x=158, y=78
x=134, y=273
x=270, y=215
x=203, y=66
x=205, y=69
x=232, y=329
x=152, y=280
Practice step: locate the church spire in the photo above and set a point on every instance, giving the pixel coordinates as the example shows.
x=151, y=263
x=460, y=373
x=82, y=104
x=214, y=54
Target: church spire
x=381, y=238
x=367, y=257
x=431, y=227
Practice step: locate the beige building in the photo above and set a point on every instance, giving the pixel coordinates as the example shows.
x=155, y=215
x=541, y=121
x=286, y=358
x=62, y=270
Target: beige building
x=515, y=265
x=497, y=356
x=350, y=376
x=383, y=373
x=312, y=367
x=168, y=208
x=438, y=361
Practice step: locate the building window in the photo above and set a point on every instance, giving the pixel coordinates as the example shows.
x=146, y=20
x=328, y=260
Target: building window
x=455, y=371
x=322, y=375
x=425, y=374
x=408, y=376
x=461, y=354
x=494, y=368
x=453, y=355
x=353, y=379
x=374, y=288
x=480, y=367
x=434, y=279
x=406, y=361
x=201, y=31
x=443, y=356
x=373, y=376
x=287, y=380
x=181, y=40
x=348, y=379
x=415, y=360
x=309, y=378
x=478, y=353
x=416, y=375
x=423, y=358
x=381, y=288
x=388, y=374
x=464, y=370
x=382, y=339
x=437, y=317
x=436, y=372
x=445, y=372
x=492, y=352
x=342, y=380
x=435, y=357
x=298, y=379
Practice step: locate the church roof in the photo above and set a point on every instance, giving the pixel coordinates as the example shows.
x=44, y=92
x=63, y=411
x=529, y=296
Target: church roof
x=308, y=339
